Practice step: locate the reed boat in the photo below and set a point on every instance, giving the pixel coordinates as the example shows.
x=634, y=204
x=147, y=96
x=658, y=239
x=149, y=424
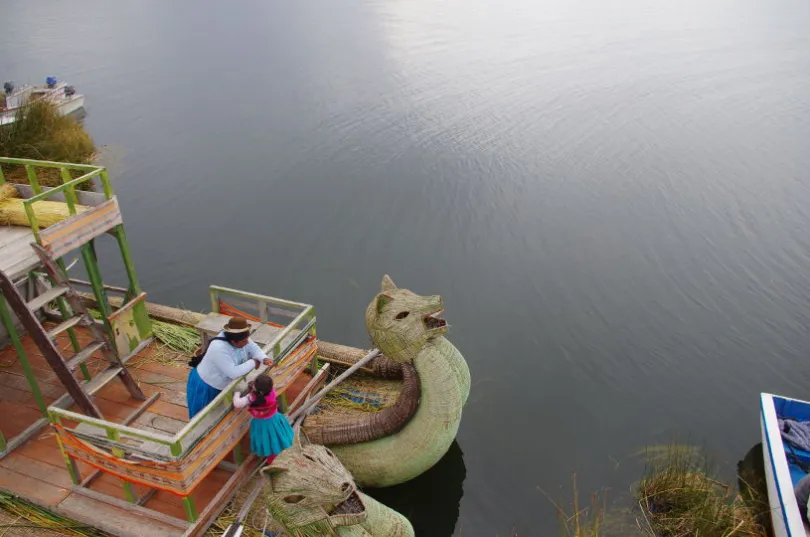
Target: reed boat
x=62, y=95
x=93, y=419
x=785, y=464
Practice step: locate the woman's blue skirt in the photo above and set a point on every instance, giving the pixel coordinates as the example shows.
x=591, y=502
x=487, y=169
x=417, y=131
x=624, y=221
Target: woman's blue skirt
x=270, y=436
x=198, y=393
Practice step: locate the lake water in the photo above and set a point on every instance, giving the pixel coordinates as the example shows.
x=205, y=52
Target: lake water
x=613, y=198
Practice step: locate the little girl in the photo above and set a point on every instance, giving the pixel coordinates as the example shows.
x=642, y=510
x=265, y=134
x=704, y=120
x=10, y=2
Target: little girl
x=270, y=432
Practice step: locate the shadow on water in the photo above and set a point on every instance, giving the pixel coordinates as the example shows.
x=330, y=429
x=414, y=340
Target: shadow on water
x=431, y=501
x=752, y=485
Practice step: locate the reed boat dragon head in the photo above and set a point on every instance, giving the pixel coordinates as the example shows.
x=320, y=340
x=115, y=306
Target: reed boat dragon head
x=309, y=489
x=401, y=322
x=309, y=492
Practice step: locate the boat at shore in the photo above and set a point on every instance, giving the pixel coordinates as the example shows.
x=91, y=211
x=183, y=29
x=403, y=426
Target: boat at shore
x=62, y=95
x=785, y=464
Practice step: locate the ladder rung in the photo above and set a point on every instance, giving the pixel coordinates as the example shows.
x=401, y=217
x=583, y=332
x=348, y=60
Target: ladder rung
x=48, y=296
x=84, y=354
x=70, y=323
x=94, y=384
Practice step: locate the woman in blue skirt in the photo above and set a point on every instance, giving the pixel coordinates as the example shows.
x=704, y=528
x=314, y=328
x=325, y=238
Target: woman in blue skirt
x=230, y=355
x=270, y=432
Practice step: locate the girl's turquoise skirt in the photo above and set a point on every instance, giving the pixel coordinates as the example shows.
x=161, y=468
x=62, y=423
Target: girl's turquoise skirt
x=270, y=436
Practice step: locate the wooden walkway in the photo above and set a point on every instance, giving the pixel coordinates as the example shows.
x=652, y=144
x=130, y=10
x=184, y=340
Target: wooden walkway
x=36, y=471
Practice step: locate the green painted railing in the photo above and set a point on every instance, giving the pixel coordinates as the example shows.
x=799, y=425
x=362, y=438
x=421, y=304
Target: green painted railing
x=182, y=441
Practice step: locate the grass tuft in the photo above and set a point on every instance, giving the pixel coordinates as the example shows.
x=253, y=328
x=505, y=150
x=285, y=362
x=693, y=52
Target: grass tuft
x=579, y=520
x=40, y=132
x=680, y=496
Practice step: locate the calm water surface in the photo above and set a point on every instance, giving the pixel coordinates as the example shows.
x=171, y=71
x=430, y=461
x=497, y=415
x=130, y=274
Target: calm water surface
x=613, y=198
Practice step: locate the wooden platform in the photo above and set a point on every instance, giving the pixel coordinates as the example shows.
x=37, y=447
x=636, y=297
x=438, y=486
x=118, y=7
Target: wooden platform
x=37, y=472
x=16, y=255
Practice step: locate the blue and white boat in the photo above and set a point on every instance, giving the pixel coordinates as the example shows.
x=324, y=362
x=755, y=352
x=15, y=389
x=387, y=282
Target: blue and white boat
x=783, y=463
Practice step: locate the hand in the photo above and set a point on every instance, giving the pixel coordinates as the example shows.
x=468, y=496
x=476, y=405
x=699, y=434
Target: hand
x=269, y=362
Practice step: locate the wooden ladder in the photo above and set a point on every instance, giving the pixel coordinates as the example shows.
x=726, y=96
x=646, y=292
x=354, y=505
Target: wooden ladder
x=65, y=369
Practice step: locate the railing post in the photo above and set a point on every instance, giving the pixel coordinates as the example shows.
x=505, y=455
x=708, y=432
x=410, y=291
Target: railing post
x=2, y=441
x=72, y=469
x=70, y=193
x=191, y=508
x=214, y=300
x=129, y=492
x=32, y=179
x=105, y=184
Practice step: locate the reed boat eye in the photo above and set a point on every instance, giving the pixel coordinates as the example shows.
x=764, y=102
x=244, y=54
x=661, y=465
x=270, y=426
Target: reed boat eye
x=402, y=315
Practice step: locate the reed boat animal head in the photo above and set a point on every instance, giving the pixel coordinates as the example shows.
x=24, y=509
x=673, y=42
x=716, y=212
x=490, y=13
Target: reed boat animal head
x=401, y=322
x=309, y=492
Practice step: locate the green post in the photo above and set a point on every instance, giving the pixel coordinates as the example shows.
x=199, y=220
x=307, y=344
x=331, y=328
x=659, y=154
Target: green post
x=2, y=177
x=5, y=316
x=238, y=458
x=32, y=179
x=70, y=193
x=93, y=272
x=282, y=403
x=72, y=469
x=191, y=509
x=313, y=368
x=105, y=183
x=129, y=492
x=2, y=441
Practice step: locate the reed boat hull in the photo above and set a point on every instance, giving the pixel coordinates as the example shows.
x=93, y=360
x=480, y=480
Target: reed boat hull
x=780, y=474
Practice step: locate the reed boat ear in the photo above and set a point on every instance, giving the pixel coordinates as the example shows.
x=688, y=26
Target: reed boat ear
x=382, y=301
x=269, y=471
x=388, y=284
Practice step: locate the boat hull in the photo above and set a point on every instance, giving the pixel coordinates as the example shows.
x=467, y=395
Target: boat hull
x=64, y=104
x=785, y=515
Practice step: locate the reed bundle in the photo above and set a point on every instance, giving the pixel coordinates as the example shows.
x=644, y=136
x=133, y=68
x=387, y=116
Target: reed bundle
x=48, y=213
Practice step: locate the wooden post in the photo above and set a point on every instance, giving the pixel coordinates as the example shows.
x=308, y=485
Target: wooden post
x=5, y=316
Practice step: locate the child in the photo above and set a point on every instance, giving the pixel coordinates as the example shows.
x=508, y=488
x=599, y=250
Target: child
x=270, y=432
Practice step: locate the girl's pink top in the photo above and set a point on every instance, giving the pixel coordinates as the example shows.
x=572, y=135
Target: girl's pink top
x=263, y=412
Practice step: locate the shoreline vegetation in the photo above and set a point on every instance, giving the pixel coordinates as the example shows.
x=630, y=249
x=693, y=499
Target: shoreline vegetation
x=40, y=132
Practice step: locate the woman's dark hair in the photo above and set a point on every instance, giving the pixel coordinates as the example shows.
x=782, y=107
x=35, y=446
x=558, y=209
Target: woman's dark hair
x=262, y=387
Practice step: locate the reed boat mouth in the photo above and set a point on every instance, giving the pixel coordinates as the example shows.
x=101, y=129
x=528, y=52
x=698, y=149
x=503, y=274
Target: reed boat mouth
x=433, y=321
x=352, y=505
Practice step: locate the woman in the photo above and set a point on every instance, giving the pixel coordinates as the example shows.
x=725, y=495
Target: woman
x=230, y=355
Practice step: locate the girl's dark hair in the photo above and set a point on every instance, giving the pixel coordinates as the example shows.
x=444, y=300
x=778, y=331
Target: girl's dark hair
x=262, y=387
